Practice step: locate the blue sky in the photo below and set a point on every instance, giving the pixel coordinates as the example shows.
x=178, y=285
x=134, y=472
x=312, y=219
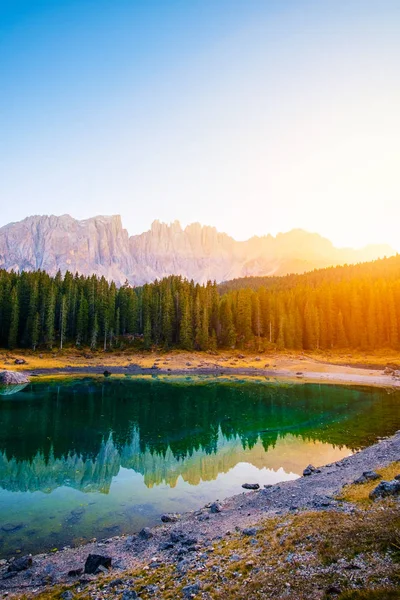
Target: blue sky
x=253, y=116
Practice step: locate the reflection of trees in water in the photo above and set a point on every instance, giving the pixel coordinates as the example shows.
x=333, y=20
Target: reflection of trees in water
x=143, y=422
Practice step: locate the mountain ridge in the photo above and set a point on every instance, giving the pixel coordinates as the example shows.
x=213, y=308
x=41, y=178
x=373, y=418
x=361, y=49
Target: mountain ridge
x=101, y=245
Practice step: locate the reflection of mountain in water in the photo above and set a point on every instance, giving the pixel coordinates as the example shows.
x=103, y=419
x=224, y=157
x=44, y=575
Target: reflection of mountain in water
x=289, y=453
x=80, y=434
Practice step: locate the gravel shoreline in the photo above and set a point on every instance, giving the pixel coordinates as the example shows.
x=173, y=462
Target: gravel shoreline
x=353, y=377
x=200, y=528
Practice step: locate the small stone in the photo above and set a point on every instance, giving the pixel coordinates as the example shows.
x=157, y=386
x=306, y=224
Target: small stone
x=191, y=590
x=129, y=595
x=67, y=595
x=250, y=531
x=177, y=536
x=20, y=564
x=101, y=569
x=250, y=486
x=170, y=518
x=367, y=476
x=189, y=541
x=145, y=533
x=333, y=590
x=107, y=373
x=94, y=561
x=166, y=546
x=10, y=574
x=116, y=582
x=215, y=507
x=151, y=589
x=75, y=572
x=308, y=470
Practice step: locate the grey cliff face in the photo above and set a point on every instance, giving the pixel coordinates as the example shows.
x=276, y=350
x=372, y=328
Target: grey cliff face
x=102, y=246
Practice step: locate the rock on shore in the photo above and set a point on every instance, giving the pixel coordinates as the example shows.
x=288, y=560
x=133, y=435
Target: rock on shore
x=13, y=378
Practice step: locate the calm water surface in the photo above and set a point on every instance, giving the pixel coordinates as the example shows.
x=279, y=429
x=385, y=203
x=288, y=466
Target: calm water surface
x=94, y=458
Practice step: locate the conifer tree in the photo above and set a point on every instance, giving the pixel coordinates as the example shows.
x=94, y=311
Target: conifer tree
x=14, y=320
x=34, y=336
x=50, y=316
x=185, y=330
x=63, y=319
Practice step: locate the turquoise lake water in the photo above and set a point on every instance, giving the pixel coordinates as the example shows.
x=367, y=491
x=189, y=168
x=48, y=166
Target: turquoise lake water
x=84, y=458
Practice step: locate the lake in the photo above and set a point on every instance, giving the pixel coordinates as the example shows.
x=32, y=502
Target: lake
x=91, y=457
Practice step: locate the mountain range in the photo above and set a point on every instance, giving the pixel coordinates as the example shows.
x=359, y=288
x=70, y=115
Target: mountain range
x=101, y=245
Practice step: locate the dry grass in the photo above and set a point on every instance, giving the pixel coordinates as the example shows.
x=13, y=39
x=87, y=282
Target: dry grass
x=320, y=361
x=360, y=492
x=295, y=557
x=381, y=593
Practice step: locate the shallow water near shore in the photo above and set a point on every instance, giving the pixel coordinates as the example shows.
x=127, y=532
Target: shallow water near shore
x=84, y=458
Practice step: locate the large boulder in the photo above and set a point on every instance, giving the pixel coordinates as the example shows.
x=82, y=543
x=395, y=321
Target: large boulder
x=386, y=488
x=95, y=561
x=13, y=378
x=367, y=476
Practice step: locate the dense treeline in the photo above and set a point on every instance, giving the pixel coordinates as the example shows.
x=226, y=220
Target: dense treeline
x=387, y=268
x=347, y=307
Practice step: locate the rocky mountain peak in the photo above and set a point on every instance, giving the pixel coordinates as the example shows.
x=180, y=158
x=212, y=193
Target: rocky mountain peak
x=102, y=246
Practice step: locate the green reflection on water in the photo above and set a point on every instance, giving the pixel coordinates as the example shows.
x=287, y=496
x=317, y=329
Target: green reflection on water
x=90, y=457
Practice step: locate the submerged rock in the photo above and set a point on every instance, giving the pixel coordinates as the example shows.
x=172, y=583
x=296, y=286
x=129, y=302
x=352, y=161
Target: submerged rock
x=9, y=390
x=10, y=527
